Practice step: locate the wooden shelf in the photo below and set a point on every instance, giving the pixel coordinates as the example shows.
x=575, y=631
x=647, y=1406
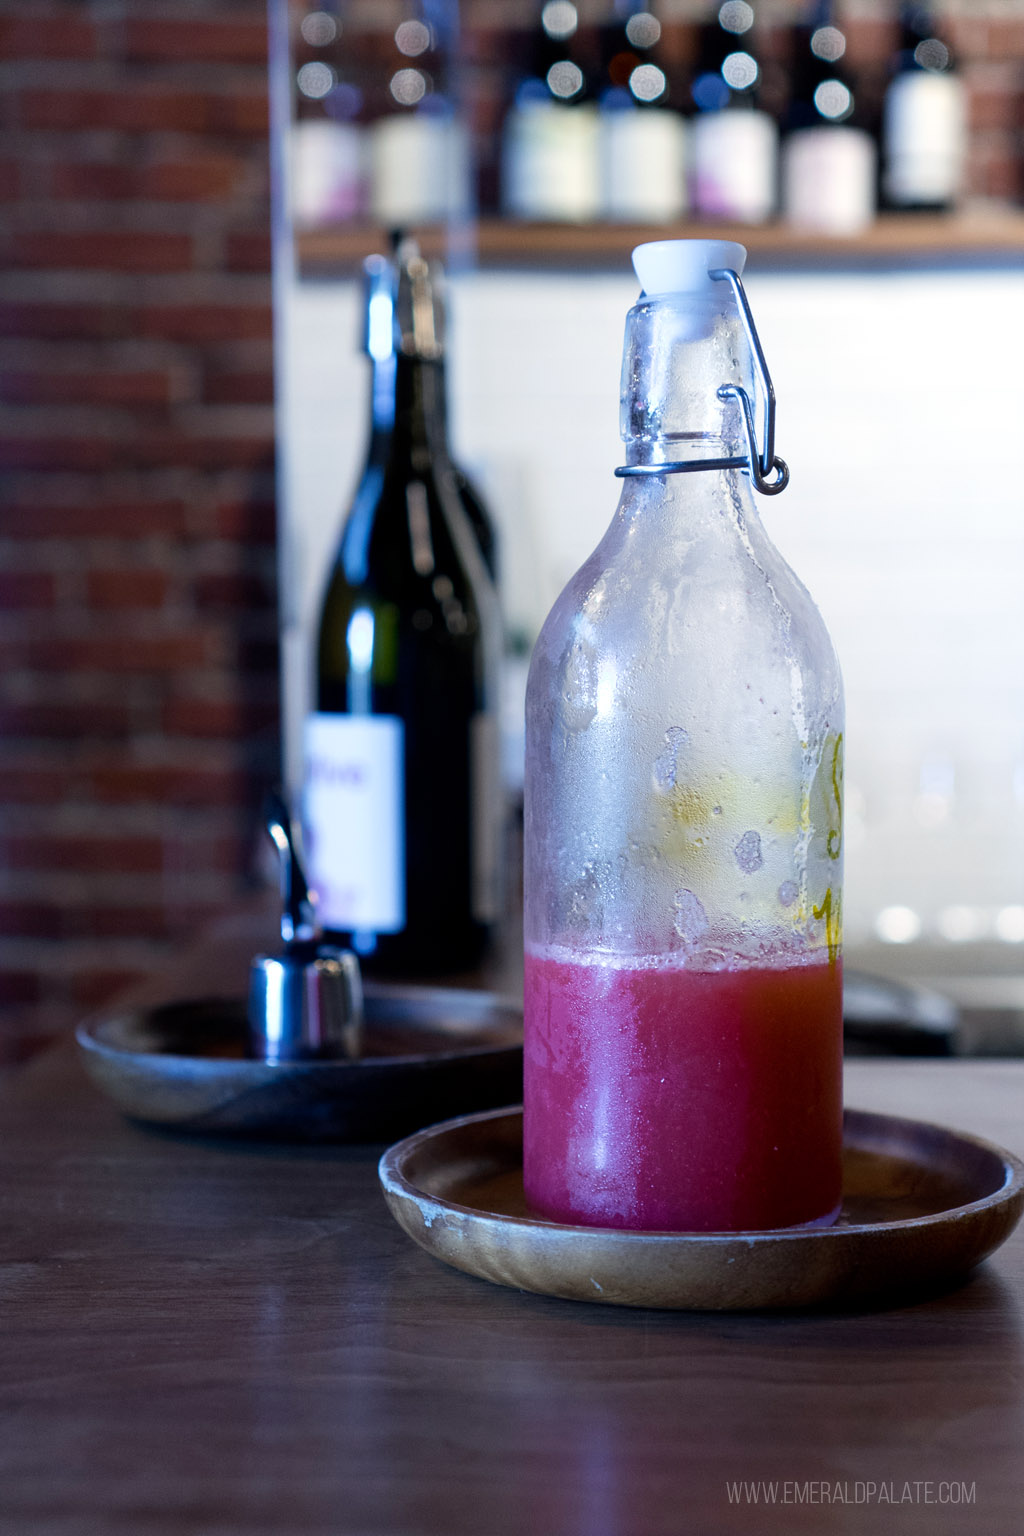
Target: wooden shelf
x=893, y=240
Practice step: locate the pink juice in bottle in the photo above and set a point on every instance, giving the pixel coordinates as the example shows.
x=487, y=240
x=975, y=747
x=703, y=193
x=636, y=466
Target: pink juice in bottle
x=658, y=1098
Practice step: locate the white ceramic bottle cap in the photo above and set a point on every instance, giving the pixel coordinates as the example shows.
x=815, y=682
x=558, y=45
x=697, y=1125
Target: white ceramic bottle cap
x=682, y=266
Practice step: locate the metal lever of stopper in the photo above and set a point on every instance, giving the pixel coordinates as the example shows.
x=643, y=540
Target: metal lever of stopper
x=298, y=917
x=766, y=463
x=761, y=465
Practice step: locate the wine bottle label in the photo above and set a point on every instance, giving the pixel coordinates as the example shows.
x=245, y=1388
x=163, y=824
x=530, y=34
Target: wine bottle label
x=354, y=820
x=551, y=166
x=828, y=179
x=326, y=180
x=643, y=166
x=925, y=138
x=735, y=153
x=419, y=168
x=485, y=788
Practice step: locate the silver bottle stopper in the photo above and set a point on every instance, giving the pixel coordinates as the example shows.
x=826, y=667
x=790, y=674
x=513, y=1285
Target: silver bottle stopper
x=307, y=1002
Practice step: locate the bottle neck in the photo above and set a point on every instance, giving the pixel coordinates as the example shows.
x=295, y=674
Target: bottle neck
x=382, y=401
x=419, y=427
x=678, y=353
x=420, y=424
x=379, y=281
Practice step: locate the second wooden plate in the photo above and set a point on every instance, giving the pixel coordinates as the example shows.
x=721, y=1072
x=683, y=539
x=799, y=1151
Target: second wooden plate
x=427, y=1053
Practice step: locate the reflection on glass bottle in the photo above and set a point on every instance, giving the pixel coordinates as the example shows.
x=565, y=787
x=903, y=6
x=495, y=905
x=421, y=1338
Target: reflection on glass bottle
x=403, y=808
x=829, y=161
x=735, y=144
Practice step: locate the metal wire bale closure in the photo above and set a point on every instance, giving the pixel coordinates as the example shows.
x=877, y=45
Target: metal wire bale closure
x=760, y=464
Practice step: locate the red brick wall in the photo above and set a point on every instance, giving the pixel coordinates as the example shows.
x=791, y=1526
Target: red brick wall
x=138, y=660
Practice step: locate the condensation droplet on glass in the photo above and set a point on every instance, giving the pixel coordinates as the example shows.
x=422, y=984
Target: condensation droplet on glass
x=585, y=895
x=788, y=892
x=689, y=919
x=748, y=853
x=666, y=766
x=579, y=708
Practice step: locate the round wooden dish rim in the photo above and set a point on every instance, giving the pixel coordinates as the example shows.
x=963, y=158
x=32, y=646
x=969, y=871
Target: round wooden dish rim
x=394, y=1180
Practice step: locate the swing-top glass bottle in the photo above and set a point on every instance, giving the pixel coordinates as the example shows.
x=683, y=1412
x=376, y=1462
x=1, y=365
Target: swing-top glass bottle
x=683, y=836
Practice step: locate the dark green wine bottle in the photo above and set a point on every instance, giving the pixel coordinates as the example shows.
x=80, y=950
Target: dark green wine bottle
x=403, y=813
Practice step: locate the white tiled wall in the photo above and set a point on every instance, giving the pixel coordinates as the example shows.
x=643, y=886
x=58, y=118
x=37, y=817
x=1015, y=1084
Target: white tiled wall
x=901, y=405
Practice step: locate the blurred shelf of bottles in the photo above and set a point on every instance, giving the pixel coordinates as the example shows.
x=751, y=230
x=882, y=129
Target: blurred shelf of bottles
x=540, y=124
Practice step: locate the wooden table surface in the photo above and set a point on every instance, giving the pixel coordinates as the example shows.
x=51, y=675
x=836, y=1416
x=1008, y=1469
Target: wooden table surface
x=231, y=1340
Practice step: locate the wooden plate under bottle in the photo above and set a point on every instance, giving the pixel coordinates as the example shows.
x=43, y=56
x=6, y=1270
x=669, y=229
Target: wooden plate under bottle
x=921, y=1206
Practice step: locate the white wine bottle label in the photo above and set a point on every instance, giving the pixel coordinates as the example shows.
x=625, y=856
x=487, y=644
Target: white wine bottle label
x=828, y=179
x=643, y=166
x=925, y=138
x=735, y=154
x=551, y=162
x=487, y=827
x=355, y=821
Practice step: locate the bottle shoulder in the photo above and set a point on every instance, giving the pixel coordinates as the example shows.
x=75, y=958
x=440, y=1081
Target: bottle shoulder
x=659, y=599
x=406, y=562
x=404, y=527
